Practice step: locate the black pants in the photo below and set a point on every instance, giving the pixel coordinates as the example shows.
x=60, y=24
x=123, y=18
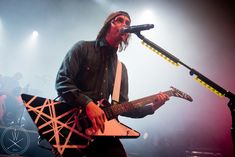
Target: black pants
x=106, y=147
x=103, y=147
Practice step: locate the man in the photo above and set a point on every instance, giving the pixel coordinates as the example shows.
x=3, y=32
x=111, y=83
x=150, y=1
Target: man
x=87, y=75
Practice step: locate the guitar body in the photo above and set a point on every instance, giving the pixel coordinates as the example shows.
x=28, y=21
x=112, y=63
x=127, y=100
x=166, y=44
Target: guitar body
x=116, y=129
x=67, y=128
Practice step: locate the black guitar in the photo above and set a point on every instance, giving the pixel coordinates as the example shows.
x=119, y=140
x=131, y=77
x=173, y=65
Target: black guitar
x=67, y=128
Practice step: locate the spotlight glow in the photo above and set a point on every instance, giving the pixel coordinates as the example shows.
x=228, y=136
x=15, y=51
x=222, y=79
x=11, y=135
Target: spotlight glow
x=148, y=13
x=34, y=34
x=147, y=16
x=145, y=136
x=30, y=43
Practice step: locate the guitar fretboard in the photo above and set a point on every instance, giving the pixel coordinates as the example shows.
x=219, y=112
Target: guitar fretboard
x=118, y=109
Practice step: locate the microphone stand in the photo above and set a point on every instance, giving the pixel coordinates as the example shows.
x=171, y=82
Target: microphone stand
x=206, y=81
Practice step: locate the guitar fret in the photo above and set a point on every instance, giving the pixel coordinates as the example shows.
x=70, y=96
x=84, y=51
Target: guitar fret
x=118, y=109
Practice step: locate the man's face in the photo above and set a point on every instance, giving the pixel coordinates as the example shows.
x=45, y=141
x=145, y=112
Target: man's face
x=118, y=23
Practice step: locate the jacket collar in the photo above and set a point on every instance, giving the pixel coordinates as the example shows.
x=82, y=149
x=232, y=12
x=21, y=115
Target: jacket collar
x=102, y=43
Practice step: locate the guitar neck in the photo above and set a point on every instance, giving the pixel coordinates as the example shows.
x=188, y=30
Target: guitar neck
x=118, y=109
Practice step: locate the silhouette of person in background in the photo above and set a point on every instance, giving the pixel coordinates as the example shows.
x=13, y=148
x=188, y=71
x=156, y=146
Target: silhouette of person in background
x=10, y=91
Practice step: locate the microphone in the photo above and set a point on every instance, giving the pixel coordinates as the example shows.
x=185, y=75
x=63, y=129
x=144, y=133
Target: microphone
x=136, y=28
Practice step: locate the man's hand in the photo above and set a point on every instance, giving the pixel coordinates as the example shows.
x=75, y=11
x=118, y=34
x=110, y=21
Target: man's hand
x=96, y=115
x=159, y=101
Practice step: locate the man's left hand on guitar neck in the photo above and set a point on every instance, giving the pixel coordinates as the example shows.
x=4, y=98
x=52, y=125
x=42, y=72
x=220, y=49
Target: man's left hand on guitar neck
x=161, y=98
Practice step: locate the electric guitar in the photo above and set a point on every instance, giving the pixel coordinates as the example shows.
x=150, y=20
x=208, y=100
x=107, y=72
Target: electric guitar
x=67, y=128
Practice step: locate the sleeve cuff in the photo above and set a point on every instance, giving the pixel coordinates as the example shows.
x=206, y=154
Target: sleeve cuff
x=148, y=110
x=76, y=98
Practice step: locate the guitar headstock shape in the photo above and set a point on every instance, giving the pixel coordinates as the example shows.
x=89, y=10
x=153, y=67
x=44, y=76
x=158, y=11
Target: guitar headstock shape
x=177, y=93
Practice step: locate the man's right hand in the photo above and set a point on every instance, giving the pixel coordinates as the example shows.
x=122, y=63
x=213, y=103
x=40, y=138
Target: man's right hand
x=96, y=115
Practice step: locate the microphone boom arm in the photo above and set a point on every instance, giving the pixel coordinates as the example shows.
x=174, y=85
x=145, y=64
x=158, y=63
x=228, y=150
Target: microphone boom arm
x=203, y=80
x=158, y=49
x=206, y=81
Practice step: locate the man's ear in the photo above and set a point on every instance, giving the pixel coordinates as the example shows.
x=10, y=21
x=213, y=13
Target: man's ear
x=112, y=22
x=112, y=25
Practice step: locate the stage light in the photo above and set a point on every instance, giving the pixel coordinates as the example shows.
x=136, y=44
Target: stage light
x=30, y=43
x=148, y=13
x=33, y=39
x=34, y=34
x=145, y=136
x=147, y=16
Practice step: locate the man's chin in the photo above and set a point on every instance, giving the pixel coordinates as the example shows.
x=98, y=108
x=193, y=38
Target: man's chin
x=124, y=37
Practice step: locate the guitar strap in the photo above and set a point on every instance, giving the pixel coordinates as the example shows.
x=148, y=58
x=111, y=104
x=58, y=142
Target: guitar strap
x=117, y=83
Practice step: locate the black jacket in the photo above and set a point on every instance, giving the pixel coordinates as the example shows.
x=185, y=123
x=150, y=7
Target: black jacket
x=87, y=74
